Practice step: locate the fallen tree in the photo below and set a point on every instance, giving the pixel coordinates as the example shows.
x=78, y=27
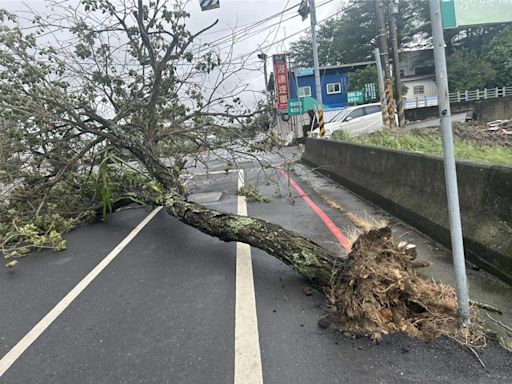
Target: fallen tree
x=118, y=105
x=152, y=110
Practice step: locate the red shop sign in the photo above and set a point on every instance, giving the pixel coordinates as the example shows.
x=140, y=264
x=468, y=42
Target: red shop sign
x=281, y=82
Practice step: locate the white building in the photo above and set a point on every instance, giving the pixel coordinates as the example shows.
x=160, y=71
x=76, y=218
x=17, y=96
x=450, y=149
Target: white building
x=417, y=71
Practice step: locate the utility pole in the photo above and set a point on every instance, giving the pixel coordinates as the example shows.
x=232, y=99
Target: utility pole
x=262, y=56
x=383, y=46
x=396, y=62
x=450, y=172
x=382, y=91
x=312, y=11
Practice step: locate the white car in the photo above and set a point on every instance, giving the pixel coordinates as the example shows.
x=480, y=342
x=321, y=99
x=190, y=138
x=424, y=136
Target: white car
x=357, y=120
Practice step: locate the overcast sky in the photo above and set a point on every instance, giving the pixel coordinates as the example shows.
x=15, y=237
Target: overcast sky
x=233, y=15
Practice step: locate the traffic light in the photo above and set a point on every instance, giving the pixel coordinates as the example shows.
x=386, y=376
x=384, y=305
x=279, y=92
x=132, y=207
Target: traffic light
x=209, y=4
x=304, y=9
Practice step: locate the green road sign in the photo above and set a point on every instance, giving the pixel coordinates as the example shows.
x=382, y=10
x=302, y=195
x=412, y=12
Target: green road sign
x=458, y=13
x=308, y=103
x=355, y=97
x=294, y=107
x=299, y=106
x=370, y=93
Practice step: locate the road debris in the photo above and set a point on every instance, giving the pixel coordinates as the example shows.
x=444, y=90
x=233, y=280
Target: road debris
x=497, y=125
x=487, y=307
x=379, y=292
x=494, y=133
x=308, y=291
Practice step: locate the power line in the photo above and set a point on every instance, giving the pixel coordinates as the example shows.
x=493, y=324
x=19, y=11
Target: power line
x=250, y=24
x=231, y=37
x=296, y=33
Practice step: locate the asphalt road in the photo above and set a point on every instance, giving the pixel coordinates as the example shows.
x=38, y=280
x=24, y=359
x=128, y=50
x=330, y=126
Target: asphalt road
x=163, y=310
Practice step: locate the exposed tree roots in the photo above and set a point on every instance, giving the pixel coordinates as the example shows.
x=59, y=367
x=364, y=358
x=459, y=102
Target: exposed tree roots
x=378, y=292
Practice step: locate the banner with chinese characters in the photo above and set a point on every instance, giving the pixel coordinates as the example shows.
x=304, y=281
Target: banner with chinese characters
x=281, y=82
x=370, y=93
x=457, y=13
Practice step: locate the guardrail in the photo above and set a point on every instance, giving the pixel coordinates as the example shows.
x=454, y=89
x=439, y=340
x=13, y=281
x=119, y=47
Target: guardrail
x=460, y=97
x=421, y=102
x=480, y=94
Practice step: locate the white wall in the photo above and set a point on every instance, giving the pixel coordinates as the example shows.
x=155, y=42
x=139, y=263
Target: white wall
x=429, y=85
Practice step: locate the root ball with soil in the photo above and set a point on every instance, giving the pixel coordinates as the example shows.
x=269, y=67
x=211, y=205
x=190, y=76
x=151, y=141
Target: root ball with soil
x=377, y=291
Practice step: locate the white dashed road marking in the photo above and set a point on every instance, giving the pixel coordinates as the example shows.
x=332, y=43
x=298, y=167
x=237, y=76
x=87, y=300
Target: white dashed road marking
x=247, y=345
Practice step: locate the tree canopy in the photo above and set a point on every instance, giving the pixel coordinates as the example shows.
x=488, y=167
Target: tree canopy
x=479, y=56
x=350, y=36
x=92, y=98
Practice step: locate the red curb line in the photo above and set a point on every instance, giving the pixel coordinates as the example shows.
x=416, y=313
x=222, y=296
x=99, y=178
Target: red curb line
x=327, y=221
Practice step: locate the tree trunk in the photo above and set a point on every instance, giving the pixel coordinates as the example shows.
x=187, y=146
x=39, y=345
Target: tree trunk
x=308, y=258
x=305, y=256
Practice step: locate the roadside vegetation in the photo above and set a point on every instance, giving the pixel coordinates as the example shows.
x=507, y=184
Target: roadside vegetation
x=472, y=142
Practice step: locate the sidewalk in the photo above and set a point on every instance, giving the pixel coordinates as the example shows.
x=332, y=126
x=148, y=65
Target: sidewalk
x=483, y=287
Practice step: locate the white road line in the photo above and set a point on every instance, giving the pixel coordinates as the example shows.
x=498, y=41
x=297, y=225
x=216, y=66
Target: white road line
x=46, y=321
x=247, y=345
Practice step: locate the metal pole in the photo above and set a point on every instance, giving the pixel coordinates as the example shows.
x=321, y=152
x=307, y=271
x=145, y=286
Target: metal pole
x=383, y=46
x=263, y=57
x=396, y=63
x=312, y=11
x=382, y=91
x=449, y=162
x=265, y=72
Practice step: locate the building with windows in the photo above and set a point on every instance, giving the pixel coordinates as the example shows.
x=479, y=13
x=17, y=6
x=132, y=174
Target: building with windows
x=418, y=74
x=334, y=83
x=416, y=69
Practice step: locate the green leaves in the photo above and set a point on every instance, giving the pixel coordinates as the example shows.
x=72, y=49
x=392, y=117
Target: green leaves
x=82, y=51
x=499, y=54
x=44, y=232
x=466, y=71
x=103, y=187
x=359, y=78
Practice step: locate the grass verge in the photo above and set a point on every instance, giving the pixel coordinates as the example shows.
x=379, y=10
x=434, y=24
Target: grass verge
x=429, y=142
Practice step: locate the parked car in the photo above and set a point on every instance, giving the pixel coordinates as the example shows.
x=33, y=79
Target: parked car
x=357, y=120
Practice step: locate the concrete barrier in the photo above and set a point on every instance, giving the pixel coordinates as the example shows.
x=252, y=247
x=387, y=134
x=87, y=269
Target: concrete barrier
x=496, y=109
x=485, y=110
x=411, y=186
x=422, y=113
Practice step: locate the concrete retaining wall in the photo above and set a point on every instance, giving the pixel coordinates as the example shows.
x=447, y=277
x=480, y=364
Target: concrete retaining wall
x=496, y=109
x=422, y=113
x=485, y=110
x=411, y=186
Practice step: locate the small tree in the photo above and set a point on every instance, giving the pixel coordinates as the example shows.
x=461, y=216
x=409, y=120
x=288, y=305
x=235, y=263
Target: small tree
x=498, y=53
x=359, y=78
x=467, y=71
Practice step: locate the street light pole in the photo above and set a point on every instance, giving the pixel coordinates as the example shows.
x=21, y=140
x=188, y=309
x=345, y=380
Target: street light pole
x=263, y=57
x=318, y=85
x=450, y=172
